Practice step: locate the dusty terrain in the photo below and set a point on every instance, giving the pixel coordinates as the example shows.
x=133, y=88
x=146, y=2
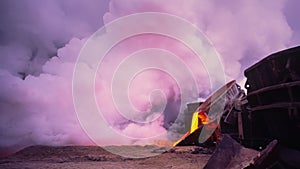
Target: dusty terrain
x=92, y=157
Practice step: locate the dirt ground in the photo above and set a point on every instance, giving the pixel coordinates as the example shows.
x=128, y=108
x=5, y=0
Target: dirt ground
x=92, y=157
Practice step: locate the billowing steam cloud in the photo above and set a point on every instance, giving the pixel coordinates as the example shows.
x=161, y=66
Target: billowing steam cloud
x=40, y=41
x=38, y=110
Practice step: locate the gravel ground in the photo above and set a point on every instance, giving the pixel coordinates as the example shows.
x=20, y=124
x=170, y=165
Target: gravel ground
x=92, y=157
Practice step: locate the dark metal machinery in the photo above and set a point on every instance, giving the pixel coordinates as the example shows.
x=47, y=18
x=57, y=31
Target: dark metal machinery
x=273, y=94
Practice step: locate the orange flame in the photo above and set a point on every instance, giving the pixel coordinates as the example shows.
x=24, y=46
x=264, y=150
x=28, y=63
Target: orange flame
x=203, y=117
x=199, y=118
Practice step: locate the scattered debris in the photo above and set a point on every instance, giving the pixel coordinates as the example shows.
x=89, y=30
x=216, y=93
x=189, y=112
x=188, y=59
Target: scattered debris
x=191, y=150
x=96, y=158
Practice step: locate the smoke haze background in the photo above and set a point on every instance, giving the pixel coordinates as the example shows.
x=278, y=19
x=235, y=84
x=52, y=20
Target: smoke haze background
x=40, y=41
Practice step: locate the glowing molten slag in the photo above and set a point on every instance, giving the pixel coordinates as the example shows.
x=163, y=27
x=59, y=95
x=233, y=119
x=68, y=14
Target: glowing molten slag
x=199, y=118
